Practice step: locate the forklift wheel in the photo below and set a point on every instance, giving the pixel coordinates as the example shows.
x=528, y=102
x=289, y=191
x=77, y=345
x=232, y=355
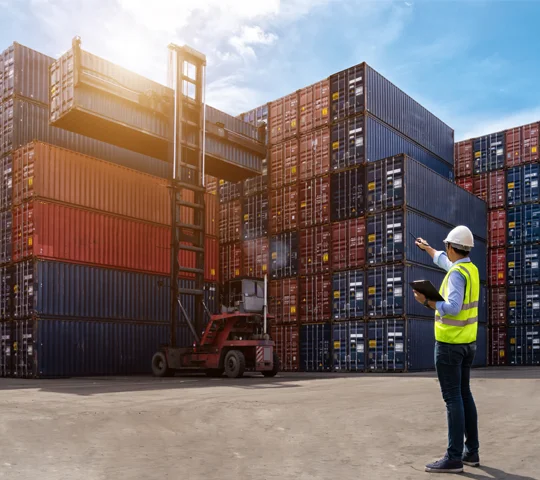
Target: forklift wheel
x=214, y=372
x=275, y=369
x=160, y=367
x=235, y=364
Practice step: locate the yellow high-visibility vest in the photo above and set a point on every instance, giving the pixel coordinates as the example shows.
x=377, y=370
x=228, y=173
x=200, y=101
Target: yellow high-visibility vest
x=463, y=327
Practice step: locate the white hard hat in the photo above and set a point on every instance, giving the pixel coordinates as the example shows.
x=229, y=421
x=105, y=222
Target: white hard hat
x=461, y=237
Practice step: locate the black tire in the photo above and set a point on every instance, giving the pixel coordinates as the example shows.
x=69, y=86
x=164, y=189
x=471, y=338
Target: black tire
x=234, y=364
x=275, y=369
x=160, y=367
x=214, y=372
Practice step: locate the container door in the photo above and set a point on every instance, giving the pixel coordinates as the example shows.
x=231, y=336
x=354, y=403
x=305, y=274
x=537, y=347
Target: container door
x=339, y=339
x=375, y=186
x=515, y=223
x=530, y=183
x=394, y=244
x=356, y=294
x=375, y=287
x=376, y=239
x=513, y=186
x=395, y=282
x=357, y=341
x=394, y=195
x=340, y=286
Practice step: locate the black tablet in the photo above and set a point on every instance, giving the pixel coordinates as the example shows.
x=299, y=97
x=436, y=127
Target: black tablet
x=426, y=288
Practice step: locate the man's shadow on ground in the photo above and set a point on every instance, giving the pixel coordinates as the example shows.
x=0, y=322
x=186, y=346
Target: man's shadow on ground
x=494, y=473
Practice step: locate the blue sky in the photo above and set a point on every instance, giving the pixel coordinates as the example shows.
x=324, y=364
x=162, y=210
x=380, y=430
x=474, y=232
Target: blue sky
x=474, y=63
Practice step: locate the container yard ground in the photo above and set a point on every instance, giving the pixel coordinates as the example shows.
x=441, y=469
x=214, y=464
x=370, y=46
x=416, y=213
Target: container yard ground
x=295, y=426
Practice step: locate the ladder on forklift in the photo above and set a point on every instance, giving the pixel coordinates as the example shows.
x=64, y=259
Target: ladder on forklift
x=187, y=69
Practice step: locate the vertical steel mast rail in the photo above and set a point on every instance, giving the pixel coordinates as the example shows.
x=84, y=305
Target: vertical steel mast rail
x=187, y=234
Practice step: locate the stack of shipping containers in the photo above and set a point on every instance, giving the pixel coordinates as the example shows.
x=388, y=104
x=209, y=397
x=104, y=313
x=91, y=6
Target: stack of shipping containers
x=503, y=169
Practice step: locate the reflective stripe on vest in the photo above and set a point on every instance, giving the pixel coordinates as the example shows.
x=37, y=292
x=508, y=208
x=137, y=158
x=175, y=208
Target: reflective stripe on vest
x=463, y=327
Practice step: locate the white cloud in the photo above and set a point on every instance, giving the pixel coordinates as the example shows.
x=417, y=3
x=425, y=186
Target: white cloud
x=251, y=36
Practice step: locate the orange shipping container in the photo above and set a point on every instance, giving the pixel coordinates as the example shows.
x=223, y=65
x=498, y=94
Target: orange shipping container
x=230, y=261
x=283, y=121
x=314, y=106
x=284, y=164
x=256, y=257
x=211, y=214
x=314, y=154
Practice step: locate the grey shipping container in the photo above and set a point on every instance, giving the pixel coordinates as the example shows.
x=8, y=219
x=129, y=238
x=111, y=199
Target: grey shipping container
x=403, y=181
x=366, y=139
x=391, y=238
x=360, y=88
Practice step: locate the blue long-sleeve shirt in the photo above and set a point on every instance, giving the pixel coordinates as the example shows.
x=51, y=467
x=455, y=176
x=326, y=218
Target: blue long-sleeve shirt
x=456, y=285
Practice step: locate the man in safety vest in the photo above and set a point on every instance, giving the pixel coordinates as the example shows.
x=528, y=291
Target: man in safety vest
x=456, y=325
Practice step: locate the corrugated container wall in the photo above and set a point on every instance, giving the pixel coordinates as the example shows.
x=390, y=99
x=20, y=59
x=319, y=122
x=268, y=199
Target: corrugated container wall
x=6, y=179
x=523, y=185
x=497, y=306
x=348, y=244
x=497, y=346
x=230, y=225
x=314, y=154
x=523, y=305
x=315, y=304
x=523, y=264
x=464, y=159
x=284, y=163
x=497, y=228
x=6, y=232
x=489, y=153
x=522, y=145
x=347, y=194
x=230, y=261
x=314, y=202
x=524, y=345
x=315, y=249
x=315, y=348
x=287, y=338
x=283, y=119
x=284, y=252
x=283, y=300
x=255, y=214
x=466, y=184
x=524, y=224
x=491, y=187
x=284, y=209
x=348, y=294
x=349, y=341
x=314, y=106
x=256, y=256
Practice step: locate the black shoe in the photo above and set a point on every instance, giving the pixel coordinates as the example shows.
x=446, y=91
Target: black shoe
x=445, y=465
x=471, y=459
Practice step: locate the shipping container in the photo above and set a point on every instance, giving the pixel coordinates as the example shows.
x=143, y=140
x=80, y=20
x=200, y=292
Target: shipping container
x=211, y=184
x=233, y=124
x=481, y=355
x=257, y=117
x=283, y=300
x=491, y=188
x=230, y=261
x=314, y=154
x=524, y=224
x=211, y=214
x=230, y=221
x=497, y=228
x=255, y=216
x=349, y=341
x=6, y=286
x=349, y=244
x=229, y=191
x=315, y=303
x=464, y=159
x=400, y=180
x=24, y=72
x=360, y=89
x=348, y=295
x=315, y=347
x=497, y=346
x=315, y=249
x=287, y=340
x=365, y=139
x=522, y=184
x=283, y=119
x=524, y=305
x=466, y=183
x=497, y=306
x=489, y=152
x=496, y=267
x=284, y=163
x=524, y=345
x=522, y=145
x=284, y=250
x=256, y=257
x=314, y=202
x=24, y=122
x=284, y=209
x=314, y=106
x=42, y=171
x=523, y=264
x=6, y=348
x=6, y=232
x=259, y=183
x=211, y=259
x=57, y=347
x=347, y=194
x=6, y=182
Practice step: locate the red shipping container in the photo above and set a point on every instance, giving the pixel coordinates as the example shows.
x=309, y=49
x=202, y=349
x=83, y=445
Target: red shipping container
x=230, y=261
x=211, y=259
x=348, y=244
x=491, y=187
x=314, y=154
x=287, y=340
x=230, y=221
x=315, y=303
x=47, y=172
x=522, y=145
x=497, y=346
x=283, y=121
x=211, y=214
x=464, y=160
x=284, y=164
x=315, y=202
x=314, y=106
x=283, y=209
x=466, y=183
x=256, y=257
x=211, y=184
x=315, y=250
x=497, y=228
x=497, y=266
x=497, y=306
x=283, y=300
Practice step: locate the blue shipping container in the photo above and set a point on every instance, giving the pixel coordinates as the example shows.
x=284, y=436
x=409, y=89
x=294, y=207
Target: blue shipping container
x=348, y=296
x=6, y=348
x=403, y=181
x=315, y=349
x=480, y=358
x=6, y=182
x=523, y=264
x=347, y=194
x=5, y=292
x=391, y=238
x=365, y=139
x=229, y=191
x=522, y=184
x=523, y=305
x=489, y=152
x=360, y=88
x=348, y=340
x=524, y=345
x=6, y=230
x=284, y=255
x=523, y=224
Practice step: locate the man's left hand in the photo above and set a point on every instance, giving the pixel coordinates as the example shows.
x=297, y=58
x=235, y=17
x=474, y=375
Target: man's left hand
x=419, y=297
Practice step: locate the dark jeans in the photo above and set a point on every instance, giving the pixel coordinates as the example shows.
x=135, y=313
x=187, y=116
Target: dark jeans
x=453, y=364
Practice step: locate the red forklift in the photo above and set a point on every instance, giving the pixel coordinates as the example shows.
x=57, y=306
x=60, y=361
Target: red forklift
x=236, y=340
